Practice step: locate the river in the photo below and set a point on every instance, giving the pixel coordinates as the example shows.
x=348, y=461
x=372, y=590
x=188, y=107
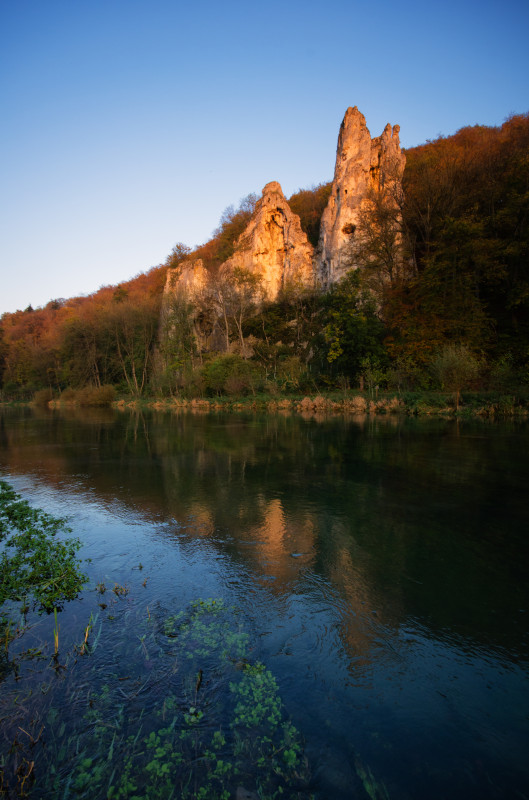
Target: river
x=278, y=605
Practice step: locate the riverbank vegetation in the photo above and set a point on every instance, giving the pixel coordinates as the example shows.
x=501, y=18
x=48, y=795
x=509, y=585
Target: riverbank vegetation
x=485, y=405
x=39, y=568
x=456, y=320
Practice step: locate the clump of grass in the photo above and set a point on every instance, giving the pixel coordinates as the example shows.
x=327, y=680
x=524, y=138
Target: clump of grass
x=88, y=396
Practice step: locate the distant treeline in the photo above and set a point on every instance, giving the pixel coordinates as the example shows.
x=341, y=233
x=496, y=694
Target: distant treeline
x=444, y=280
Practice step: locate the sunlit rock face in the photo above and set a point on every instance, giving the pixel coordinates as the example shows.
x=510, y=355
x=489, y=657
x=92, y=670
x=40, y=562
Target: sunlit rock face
x=363, y=165
x=188, y=279
x=274, y=246
x=187, y=284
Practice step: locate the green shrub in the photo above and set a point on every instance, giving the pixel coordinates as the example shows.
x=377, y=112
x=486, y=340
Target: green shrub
x=192, y=384
x=231, y=374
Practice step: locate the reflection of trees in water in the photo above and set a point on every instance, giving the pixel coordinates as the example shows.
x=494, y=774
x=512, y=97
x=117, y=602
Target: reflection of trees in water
x=408, y=517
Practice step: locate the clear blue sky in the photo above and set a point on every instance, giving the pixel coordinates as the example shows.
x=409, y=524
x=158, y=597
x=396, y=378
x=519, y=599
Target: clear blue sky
x=129, y=125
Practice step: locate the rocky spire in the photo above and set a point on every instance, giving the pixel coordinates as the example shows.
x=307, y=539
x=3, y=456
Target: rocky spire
x=274, y=245
x=362, y=165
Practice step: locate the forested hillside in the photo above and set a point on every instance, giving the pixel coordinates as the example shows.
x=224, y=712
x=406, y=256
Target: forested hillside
x=466, y=214
x=459, y=231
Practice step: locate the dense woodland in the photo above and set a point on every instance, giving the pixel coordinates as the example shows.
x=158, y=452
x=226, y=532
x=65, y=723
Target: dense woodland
x=460, y=228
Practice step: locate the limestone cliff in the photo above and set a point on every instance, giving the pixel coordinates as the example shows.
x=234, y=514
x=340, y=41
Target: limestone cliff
x=363, y=164
x=188, y=279
x=188, y=300
x=274, y=245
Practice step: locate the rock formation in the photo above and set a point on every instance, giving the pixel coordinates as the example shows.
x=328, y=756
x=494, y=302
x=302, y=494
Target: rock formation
x=188, y=279
x=363, y=165
x=186, y=291
x=274, y=245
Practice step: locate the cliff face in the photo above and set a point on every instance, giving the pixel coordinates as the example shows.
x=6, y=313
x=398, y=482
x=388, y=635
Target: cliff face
x=363, y=165
x=189, y=278
x=274, y=245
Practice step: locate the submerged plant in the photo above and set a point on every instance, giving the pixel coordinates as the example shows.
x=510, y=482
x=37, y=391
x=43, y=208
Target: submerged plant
x=185, y=714
x=374, y=789
x=219, y=723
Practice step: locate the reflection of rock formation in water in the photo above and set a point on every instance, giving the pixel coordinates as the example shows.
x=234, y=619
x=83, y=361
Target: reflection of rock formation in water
x=359, y=502
x=362, y=610
x=285, y=543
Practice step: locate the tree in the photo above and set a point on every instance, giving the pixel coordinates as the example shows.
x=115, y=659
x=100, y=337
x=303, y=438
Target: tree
x=178, y=254
x=466, y=214
x=309, y=205
x=81, y=352
x=177, y=340
x=378, y=245
x=221, y=246
x=135, y=330
x=3, y=354
x=351, y=328
x=455, y=367
x=235, y=294
x=246, y=293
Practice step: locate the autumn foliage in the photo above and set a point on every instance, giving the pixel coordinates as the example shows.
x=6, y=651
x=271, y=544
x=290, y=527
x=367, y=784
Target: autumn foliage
x=453, y=276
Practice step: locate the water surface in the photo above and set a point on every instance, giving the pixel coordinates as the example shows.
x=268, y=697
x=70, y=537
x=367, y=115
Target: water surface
x=376, y=568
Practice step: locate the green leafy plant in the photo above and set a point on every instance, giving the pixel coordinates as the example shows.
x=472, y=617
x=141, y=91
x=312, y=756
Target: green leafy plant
x=224, y=726
x=35, y=564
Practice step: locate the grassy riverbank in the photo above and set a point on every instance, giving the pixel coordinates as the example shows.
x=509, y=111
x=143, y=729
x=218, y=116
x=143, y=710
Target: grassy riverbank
x=486, y=405
x=490, y=405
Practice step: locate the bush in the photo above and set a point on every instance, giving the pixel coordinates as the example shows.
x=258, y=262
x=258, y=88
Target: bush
x=290, y=373
x=231, y=374
x=506, y=376
x=43, y=397
x=96, y=395
x=192, y=384
x=68, y=396
x=12, y=390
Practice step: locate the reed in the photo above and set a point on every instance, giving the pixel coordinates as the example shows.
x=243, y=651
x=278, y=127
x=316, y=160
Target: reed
x=87, y=630
x=56, y=629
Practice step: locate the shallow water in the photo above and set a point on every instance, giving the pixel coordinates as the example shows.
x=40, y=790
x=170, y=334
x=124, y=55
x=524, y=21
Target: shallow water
x=377, y=569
